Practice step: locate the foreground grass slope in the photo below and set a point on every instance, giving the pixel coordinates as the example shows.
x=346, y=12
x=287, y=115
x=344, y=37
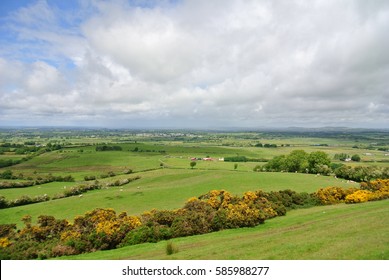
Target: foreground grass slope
x=341, y=231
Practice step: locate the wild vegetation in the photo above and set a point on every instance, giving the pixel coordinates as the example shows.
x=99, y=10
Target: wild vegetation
x=53, y=169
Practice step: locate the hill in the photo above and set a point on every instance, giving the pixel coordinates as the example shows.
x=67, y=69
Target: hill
x=348, y=232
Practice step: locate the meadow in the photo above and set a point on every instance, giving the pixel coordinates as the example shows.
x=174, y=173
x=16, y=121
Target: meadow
x=162, y=161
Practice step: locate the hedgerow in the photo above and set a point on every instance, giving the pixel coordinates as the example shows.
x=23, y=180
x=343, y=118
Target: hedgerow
x=72, y=191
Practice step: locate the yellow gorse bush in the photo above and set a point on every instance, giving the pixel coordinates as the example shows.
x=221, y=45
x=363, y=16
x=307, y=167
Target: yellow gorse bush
x=108, y=227
x=4, y=242
x=249, y=196
x=359, y=196
x=131, y=221
x=241, y=214
x=369, y=191
x=70, y=235
x=333, y=195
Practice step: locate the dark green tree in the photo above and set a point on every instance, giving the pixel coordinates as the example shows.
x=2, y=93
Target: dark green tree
x=297, y=161
x=317, y=160
x=356, y=158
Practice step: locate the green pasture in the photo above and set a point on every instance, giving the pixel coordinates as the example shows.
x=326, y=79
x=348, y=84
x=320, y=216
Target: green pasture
x=86, y=163
x=50, y=189
x=164, y=189
x=365, y=154
x=336, y=232
x=215, y=164
x=12, y=156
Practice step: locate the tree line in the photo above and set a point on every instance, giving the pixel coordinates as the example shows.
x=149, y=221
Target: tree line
x=320, y=163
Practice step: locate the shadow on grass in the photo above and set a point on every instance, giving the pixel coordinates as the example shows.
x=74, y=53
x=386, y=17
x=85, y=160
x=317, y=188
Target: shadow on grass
x=138, y=193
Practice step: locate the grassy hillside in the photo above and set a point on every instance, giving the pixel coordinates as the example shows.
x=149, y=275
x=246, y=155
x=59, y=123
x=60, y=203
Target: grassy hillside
x=161, y=189
x=330, y=232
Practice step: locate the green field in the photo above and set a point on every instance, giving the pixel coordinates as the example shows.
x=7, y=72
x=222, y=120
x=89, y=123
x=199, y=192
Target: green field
x=161, y=189
x=162, y=160
x=342, y=232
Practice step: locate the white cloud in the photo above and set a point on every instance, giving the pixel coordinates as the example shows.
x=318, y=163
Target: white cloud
x=230, y=63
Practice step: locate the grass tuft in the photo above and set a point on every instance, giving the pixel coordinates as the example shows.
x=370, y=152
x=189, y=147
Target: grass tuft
x=171, y=248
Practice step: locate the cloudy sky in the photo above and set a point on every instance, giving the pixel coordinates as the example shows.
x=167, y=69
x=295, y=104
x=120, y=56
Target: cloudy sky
x=195, y=63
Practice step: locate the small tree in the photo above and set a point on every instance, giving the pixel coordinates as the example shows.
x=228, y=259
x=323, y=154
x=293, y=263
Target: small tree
x=192, y=164
x=317, y=160
x=235, y=166
x=356, y=158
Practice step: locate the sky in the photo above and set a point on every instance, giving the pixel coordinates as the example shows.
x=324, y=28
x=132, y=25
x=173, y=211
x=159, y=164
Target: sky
x=194, y=63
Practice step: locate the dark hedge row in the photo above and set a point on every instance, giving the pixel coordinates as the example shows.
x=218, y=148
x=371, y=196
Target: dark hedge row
x=72, y=191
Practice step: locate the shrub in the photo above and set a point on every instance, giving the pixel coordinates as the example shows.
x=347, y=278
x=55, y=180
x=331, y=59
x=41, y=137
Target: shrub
x=90, y=178
x=23, y=200
x=191, y=223
x=236, y=159
x=375, y=185
x=152, y=232
x=99, y=229
x=380, y=189
x=356, y=158
x=108, y=148
x=3, y=202
x=4, y=242
x=359, y=196
x=63, y=250
x=7, y=174
x=171, y=248
x=48, y=228
x=333, y=195
x=162, y=217
x=362, y=173
x=7, y=230
x=242, y=215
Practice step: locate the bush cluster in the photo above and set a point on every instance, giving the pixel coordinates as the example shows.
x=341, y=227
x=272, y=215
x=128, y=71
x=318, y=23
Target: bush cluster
x=368, y=191
x=300, y=161
x=103, y=229
x=80, y=189
x=214, y=211
x=122, y=182
x=362, y=173
x=333, y=195
x=9, y=162
x=90, y=178
x=244, y=159
x=72, y=191
x=19, y=184
x=100, y=229
x=108, y=148
x=8, y=174
x=23, y=200
x=319, y=162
